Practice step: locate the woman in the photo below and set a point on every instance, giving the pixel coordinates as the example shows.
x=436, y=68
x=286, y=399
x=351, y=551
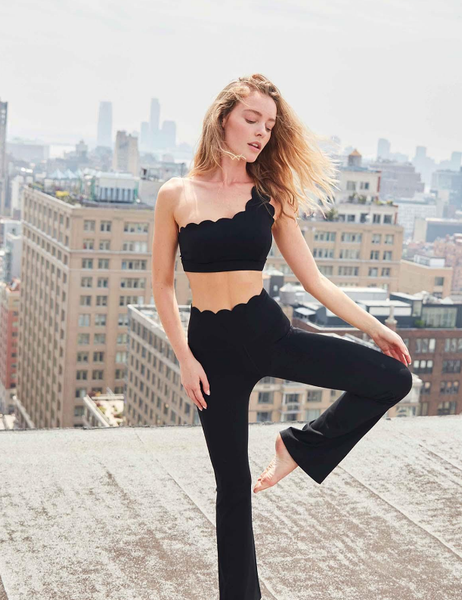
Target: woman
x=240, y=193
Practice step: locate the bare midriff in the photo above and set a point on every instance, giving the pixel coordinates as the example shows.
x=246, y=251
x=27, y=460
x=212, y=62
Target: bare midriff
x=215, y=291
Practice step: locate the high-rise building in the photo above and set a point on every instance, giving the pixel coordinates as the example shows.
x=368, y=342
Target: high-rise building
x=169, y=134
x=3, y=169
x=9, y=321
x=126, y=155
x=383, y=149
x=83, y=263
x=154, y=120
x=104, y=137
x=145, y=144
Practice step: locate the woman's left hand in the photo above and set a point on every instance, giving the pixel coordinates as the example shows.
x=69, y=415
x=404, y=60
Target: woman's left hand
x=391, y=344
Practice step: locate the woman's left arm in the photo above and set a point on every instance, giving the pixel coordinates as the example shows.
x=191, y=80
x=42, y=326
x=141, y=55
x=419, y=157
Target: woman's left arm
x=296, y=252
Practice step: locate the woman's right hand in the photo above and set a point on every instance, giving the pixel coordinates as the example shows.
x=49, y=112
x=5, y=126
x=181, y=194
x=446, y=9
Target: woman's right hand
x=192, y=374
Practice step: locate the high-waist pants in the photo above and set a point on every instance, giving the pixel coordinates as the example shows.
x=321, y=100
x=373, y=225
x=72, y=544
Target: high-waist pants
x=237, y=348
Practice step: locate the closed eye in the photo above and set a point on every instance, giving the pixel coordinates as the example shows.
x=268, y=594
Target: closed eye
x=255, y=122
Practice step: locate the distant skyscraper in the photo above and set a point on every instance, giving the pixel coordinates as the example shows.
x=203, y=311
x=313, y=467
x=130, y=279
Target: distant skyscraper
x=456, y=159
x=383, y=149
x=420, y=152
x=169, y=134
x=3, y=171
x=145, y=145
x=126, y=155
x=105, y=124
x=154, y=119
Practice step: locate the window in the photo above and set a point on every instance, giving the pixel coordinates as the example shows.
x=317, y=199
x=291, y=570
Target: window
x=451, y=366
x=426, y=387
x=263, y=416
x=324, y=236
x=314, y=396
x=312, y=413
x=448, y=407
x=453, y=344
x=355, y=238
x=323, y=252
x=348, y=271
x=105, y=226
x=425, y=345
x=349, y=254
x=423, y=366
x=449, y=387
x=135, y=228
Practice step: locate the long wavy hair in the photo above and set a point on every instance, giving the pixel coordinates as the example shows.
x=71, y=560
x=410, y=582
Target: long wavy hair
x=292, y=168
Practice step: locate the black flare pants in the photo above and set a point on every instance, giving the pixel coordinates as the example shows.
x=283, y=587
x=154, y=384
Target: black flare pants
x=237, y=348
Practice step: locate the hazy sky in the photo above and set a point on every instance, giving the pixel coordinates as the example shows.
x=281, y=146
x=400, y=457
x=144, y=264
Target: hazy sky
x=353, y=68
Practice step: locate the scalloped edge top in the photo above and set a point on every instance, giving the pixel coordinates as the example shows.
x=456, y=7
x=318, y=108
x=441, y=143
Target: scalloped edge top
x=192, y=224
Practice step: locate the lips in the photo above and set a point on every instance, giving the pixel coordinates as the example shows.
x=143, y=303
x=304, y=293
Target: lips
x=255, y=145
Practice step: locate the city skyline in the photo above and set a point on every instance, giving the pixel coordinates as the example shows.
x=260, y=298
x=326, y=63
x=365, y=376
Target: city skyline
x=380, y=71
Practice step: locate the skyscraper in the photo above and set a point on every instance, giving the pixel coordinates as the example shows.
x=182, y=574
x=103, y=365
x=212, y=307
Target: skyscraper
x=145, y=144
x=383, y=149
x=126, y=155
x=3, y=171
x=169, y=134
x=82, y=264
x=104, y=137
x=154, y=119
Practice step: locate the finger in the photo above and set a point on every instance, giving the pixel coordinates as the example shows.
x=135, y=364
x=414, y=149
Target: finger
x=205, y=384
x=198, y=395
x=193, y=398
x=395, y=354
x=405, y=353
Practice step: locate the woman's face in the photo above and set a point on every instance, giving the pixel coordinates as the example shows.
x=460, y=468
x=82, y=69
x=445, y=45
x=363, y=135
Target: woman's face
x=250, y=122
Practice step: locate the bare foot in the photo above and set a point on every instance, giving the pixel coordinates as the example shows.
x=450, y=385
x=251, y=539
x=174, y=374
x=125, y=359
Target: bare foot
x=281, y=465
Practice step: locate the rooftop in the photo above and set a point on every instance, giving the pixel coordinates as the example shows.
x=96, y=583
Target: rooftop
x=129, y=514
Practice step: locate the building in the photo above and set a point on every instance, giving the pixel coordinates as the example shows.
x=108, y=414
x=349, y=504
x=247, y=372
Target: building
x=104, y=134
x=430, y=327
x=9, y=323
x=83, y=262
x=126, y=154
x=426, y=272
x=3, y=165
x=357, y=183
x=398, y=179
x=360, y=244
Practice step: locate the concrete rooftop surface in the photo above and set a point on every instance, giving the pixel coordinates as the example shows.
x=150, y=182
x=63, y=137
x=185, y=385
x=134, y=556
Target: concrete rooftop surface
x=129, y=514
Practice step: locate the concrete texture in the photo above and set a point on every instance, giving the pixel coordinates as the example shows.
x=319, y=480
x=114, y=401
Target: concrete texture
x=129, y=514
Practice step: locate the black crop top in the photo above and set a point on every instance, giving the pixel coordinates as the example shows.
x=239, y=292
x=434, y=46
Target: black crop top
x=238, y=243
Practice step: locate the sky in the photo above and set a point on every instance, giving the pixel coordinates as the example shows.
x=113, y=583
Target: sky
x=355, y=69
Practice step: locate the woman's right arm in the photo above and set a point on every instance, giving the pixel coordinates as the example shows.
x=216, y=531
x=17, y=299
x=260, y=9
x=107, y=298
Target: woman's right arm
x=164, y=248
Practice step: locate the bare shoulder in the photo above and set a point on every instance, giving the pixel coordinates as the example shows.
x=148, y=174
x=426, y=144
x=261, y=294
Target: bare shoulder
x=283, y=215
x=171, y=189
x=169, y=196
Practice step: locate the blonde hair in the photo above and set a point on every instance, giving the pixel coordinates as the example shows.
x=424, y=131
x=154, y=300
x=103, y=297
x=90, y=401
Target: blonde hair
x=290, y=167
